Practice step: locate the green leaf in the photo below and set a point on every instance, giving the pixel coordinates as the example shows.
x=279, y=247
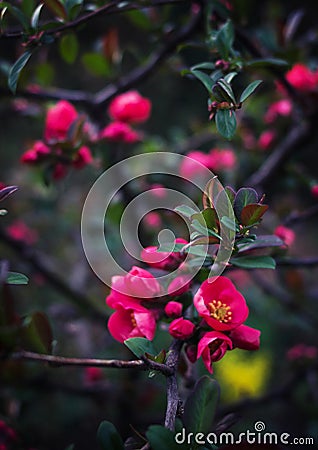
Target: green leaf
x=16, y=70
x=200, y=407
x=225, y=122
x=208, y=217
x=161, y=438
x=170, y=247
x=229, y=77
x=27, y=7
x=140, y=19
x=196, y=225
x=243, y=197
x=96, y=64
x=263, y=241
x=229, y=223
x=36, y=333
x=185, y=211
x=230, y=193
x=56, y=7
x=252, y=213
x=226, y=87
x=36, y=16
x=3, y=212
x=254, y=262
x=73, y=8
x=249, y=90
x=17, y=13
x=139, y=346
x=68, y=46
x=108, y=437
x=203, y=65
x=224, y=39
x=16, y=278
x=267, y=62
x=204, y=78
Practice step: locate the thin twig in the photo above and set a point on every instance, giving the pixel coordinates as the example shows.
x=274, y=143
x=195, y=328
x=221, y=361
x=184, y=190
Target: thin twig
x=58, y=361
x=297, y=217
x=297, y=262
x=37, y=261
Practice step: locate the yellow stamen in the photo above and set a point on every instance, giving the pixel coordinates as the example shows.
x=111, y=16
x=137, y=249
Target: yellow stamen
x=133, y=320
x=220, y=311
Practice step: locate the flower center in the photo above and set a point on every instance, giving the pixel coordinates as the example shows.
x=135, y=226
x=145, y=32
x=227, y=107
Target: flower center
x=133, y=320
x=220, y=311
x=213, y=346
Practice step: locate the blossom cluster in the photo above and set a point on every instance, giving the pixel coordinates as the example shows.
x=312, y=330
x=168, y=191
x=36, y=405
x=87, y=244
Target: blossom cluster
x=68, y=135
x=212, y=324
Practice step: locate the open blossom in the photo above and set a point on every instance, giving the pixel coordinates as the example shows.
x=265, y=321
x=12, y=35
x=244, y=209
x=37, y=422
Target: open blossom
x=221, y=159
x=163, y=260
x=130, y=107
x=129, y=291
x=153, y=220
x=128, y=323
x=220, y=304
x=302, y=351
x=212, y=347
x=181, y=328
x=19, y=231
x=285, y=234
x=58, y=121
x=120, y=132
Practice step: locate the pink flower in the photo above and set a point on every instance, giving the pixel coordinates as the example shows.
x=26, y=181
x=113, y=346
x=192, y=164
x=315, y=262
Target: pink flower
x=212, y=347
x=189, y=169
x=220, y=304
x=221, y=159
x=59, y=172
x=285, y=234
x=153, y=220
x=120, y=132
x=158, y=191
x=245, y=337
x=179, y=285
x=130, y=107
x=36, y=153
x=314, y=190
x=93, y=374
x=266, y=139
x=181, y=328
x=58, y=121
x=302, y=351
x=302, y=78
x=2, y=185
x=280, y=108
x=128, y=291
x=163, y=260
x=128, y=323
x=82, y=158
x=173, y=309
x=21, y=232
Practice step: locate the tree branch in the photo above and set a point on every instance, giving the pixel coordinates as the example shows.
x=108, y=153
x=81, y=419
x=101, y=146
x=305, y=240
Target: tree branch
x=297, y=217
x=36, y=260
x=297, y=262
x=172, y=385
x=58, y=361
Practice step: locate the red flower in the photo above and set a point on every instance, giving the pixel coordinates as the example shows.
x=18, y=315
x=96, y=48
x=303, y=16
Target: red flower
x=302, y=352
x=129, y=291
x=179, y=285
x=266, y=139
x=36, y=153
x=21, y=232
x=163, y=260
x=220, y=304
x=128, y=323
x=93, y=374
x=285, y=234
x=245, y=337
x=82, y=158
x=314, y=190
x=212, y=347
x=221, y=159
x=302, y=78
x=181, y=328
x=153, y=220
x=58, y=121
x=280, y=108
x=173, y=309
x=120, y=132
x=59, y=172
x=130, y=107
x=217, y=159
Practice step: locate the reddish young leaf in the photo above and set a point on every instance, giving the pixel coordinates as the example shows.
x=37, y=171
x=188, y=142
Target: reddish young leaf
x=252, y=213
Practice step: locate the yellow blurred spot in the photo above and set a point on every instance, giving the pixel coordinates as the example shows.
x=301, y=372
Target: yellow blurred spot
x=242, y=374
